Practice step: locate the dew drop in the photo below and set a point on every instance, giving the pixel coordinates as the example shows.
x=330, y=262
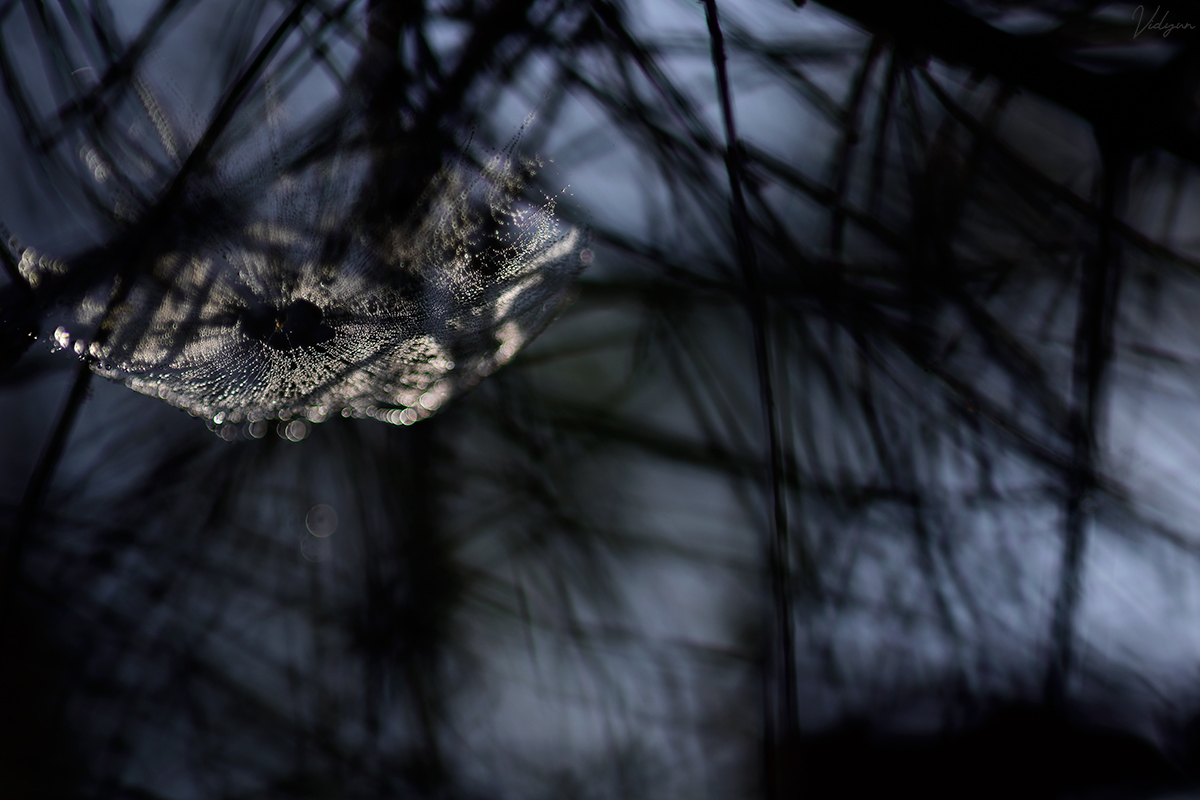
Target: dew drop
x=315, y=548
x=296, y=430
x=322, y=520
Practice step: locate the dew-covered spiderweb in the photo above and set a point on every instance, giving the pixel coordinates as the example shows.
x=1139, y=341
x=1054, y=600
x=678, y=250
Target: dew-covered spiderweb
x=310, y=268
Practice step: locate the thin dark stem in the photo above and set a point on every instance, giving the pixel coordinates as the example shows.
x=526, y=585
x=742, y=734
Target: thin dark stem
x=1092, y=352
x=781, y=729
x=35, y=492
x=850, y=137
x=880, y=151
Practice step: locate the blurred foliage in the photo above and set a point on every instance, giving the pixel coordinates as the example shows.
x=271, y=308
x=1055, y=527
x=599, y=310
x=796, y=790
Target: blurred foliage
x=861, y=461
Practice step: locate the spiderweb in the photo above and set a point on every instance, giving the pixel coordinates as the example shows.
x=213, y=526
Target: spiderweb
x=283, y=285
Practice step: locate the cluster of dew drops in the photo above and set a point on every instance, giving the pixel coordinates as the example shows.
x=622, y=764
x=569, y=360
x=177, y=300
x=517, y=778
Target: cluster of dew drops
x=291, y=425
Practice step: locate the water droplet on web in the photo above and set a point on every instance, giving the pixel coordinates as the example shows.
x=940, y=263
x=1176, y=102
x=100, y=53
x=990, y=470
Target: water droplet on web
x=296, y=430
x=315, y=548
x=322, y=520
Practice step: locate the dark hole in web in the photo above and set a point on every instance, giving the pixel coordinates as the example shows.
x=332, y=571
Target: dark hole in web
x=301, y=324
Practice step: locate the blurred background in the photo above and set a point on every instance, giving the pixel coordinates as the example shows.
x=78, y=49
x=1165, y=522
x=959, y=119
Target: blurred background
x=863, y=459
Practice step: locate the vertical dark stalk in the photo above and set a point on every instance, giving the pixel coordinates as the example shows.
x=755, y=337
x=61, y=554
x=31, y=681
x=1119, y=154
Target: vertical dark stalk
x=781, y=720
x=1093, y=349
x=35, y=493
x=880, y=151
x=850, y=138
